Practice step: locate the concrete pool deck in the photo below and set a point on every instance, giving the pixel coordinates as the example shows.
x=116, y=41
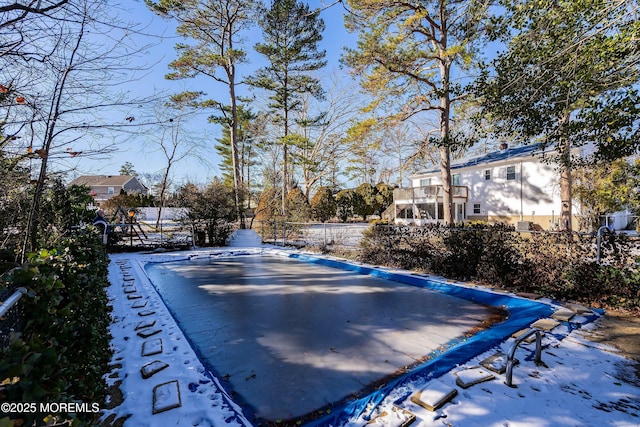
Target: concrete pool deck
x=164, y=383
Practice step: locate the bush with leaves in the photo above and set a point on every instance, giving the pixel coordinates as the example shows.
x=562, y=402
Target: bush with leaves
x=126, y=202
x=344, y=204
x=464, y=247
x=323, y=205
x=60, y=209
x=298, y=208
x=556, y=265
x=63, y=350
x=384, y=197
x=364, y=201
x=211, y=211
x=382, y=244
x=499, y=262
x=15, y=192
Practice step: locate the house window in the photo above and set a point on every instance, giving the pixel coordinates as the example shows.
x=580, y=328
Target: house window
x=476, y=208
x=456, y=179
x=111, y=190
x=425, y=182
x=487, y=174
x=511, y=173
x=427, y=210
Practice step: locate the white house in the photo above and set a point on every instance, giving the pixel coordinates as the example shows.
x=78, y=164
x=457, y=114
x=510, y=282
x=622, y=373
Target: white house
x=512, y=185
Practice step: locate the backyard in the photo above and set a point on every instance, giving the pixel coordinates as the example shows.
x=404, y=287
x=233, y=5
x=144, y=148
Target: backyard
x=580, y=376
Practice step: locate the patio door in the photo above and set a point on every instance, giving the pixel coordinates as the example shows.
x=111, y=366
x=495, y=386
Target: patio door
x=460, y=211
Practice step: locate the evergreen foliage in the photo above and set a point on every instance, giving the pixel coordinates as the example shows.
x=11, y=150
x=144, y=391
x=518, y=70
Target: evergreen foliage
x=497, y=255
x=246, y=140
x=345, y=201
x=568, y=78
x=298, y=208
x=268, y=202
x=63, y=351
x=291, y=33
x=406, y=56
x=606, y=188
x=215, y=26
x=323, y=204
x=211, y=211
x=126, y=202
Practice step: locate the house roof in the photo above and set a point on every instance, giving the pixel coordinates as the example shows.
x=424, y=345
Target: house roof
x=102, y=180
x=494, y=156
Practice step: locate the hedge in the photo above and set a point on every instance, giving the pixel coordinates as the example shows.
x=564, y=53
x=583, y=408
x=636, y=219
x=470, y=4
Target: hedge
x=561, y=266
x=63, y=351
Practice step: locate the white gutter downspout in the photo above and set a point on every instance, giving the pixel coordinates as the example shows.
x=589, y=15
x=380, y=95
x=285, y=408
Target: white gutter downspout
x=521, y=201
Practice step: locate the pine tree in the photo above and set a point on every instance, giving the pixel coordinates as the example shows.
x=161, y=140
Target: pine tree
x=568, y=78
x=291, y=34
x=406, y=54
x=247, y=149
x=323, y=204
x=215, y=26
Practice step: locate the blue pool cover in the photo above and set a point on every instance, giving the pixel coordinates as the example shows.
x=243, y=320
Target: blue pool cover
x=522, y=313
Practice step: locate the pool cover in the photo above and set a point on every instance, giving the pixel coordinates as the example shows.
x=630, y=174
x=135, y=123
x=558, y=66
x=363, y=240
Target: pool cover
x=292, y=337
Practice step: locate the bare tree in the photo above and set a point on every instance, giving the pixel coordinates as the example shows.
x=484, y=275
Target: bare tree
x=60, y=84
x=172, y=141
x=14, y=19
x=322, y=146
x=215, y=27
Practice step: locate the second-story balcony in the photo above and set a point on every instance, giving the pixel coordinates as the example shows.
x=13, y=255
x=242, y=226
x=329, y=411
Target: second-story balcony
x=428, y=193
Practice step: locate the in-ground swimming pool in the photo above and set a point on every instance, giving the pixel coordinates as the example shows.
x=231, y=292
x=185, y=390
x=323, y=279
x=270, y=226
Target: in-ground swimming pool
x=290, y=337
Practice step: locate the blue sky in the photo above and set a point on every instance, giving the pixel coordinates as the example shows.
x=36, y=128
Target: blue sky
x=135, y=150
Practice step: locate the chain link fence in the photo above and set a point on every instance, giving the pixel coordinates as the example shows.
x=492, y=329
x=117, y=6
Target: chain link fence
x=323, y=236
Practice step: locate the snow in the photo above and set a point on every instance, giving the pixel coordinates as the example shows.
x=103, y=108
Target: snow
x=583, y=383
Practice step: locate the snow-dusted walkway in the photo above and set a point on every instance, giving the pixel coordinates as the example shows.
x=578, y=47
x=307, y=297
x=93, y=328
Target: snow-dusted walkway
x=244, y=239
x=164, y=383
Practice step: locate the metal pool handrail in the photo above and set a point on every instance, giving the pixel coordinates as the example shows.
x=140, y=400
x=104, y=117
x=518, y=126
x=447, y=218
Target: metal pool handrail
x=11, y=301
x=512, y=351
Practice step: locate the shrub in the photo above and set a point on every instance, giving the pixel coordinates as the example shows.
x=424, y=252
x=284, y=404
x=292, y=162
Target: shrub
x=344, y=204
x=499, y=263
x=298, y=209
x=63, y=350
x=323, y=205
x=464, y=247
x=604, y=285
x=561, y=266
x=364, y=200
x=210, y=212
x=382, y=244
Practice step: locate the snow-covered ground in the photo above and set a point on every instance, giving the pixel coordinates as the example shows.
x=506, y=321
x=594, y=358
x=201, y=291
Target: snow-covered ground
x=584, y=384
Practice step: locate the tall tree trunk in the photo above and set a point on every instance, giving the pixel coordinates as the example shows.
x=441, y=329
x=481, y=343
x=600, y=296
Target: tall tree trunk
x=445, y=151
x=285, y=177
x=163, y=192
x=33, y=223
x=447, y=189
x=285, y=162
x=233, y=133
x=566, y=180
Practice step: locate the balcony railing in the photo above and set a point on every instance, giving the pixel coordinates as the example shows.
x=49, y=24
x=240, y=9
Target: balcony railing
x=429, y=192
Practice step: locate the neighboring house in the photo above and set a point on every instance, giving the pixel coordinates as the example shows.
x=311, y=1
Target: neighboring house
x=104, y=187
x=512, y=185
